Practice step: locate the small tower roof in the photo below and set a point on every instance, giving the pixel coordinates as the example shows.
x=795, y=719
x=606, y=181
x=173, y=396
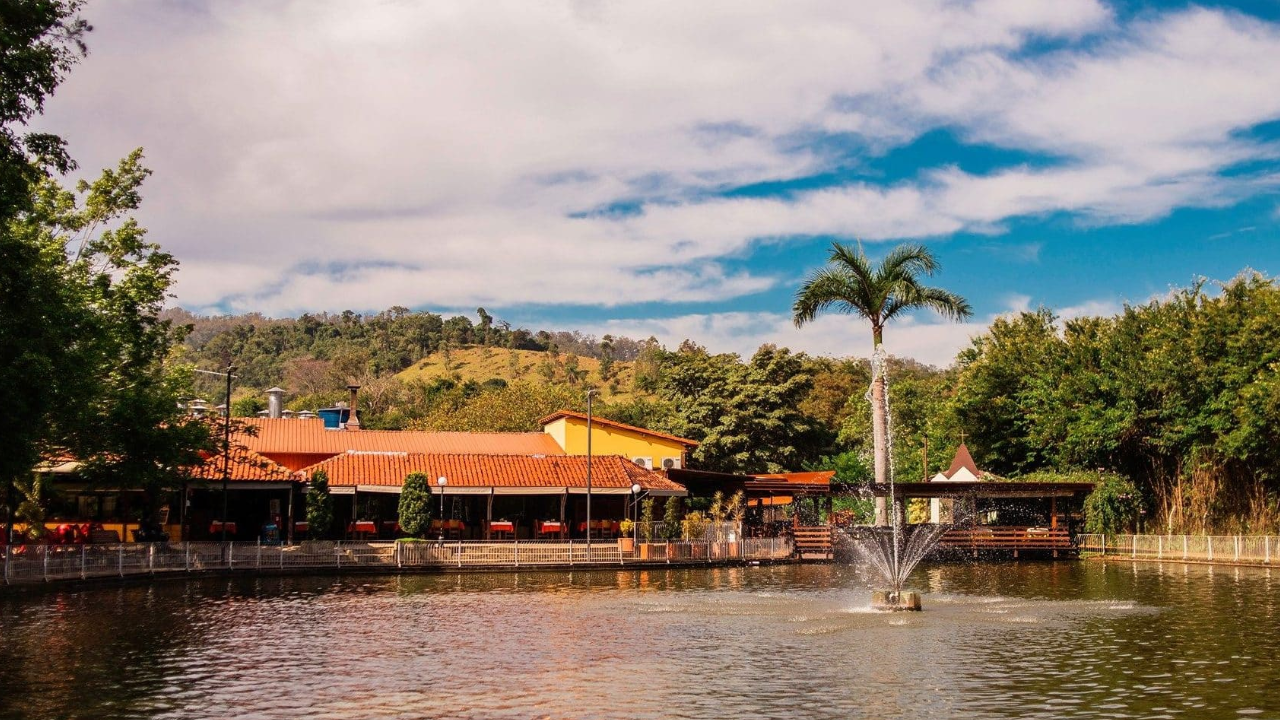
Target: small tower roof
x=962, y=460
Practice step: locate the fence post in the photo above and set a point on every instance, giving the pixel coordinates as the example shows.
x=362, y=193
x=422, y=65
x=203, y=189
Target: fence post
x=186, y=556
x=668, y=551
x=258, y=562
x=120, y=560
x=1184, y=547
x=1135, y=545
x=1237, y=555
x=280, y=555
x=1266, y=549
x=231, y=554
x=151, y=558
x=397, y=547
x=46, y=561
x=82, y=553
x=570, y=553
x=517, y=546
x=1160, y=547
x=8, y=550
x=1210, y=543
x=459, y=549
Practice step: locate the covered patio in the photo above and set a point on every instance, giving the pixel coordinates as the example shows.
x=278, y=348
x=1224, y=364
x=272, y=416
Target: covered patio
x=514, y=497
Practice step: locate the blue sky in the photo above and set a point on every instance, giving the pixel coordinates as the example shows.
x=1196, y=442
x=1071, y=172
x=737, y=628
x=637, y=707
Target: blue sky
x=656, y=168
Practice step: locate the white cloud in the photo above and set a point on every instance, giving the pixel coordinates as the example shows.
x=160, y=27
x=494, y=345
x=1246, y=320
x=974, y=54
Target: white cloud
x=312, y=157
x=743, y=333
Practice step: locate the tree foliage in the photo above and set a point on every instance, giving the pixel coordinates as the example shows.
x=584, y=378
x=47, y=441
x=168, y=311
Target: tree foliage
x=415, y=505
x=319, y=506
x=1113, y=505
x=1180, y=394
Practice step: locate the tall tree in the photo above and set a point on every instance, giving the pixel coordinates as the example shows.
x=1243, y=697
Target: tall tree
x=40, y=323
x=852, y=284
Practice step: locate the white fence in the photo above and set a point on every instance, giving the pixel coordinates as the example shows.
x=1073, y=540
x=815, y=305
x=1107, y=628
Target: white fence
x=43, y=563
x=1253, y=549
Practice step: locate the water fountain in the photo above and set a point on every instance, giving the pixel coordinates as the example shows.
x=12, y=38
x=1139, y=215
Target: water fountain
x=895, y=551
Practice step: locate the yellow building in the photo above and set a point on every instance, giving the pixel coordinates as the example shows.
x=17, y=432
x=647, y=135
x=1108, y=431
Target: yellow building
x=650, y=449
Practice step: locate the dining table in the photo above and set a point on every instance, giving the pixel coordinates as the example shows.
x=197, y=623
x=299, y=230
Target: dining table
x=504, y=527
x=216, y=527
x=362, y=528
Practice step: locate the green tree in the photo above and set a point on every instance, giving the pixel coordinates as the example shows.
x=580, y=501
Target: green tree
x=319, y=506
x=42, y=378
x=415, y=505
x=1113, y=506
x=852, y=284
x=744, y=416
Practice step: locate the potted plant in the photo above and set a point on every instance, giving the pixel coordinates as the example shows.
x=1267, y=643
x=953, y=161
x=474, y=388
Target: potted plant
x=694, y=529
x=626, y=541
x=735, y=510
x=646, y=527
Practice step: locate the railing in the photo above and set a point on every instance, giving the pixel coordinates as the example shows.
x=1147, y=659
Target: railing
x=1253, y=549
x=1007, y=538
x=43, y=563
x=658, y=531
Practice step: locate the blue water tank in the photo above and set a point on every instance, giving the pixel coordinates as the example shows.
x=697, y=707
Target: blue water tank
x=334, y=417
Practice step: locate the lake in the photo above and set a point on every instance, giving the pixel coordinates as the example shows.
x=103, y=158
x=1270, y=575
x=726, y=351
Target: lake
x=1083, y=639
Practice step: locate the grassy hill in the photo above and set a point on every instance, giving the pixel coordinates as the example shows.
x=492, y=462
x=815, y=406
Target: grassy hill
x=485, y=363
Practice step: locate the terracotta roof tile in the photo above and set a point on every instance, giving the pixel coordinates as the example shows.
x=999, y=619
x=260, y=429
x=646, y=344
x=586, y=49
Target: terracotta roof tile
x=246, y=465
x=309, y=436
x=610, y=423
x=505, y=471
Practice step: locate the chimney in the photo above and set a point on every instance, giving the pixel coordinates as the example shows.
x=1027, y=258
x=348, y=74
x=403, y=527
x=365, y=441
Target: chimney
x=353, y=422
x=275, y=402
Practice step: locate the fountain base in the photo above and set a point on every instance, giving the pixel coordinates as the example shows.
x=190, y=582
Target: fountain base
x=895, y=600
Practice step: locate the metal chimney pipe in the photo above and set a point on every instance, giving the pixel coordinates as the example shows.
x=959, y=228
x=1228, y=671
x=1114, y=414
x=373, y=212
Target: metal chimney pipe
x=275, y=402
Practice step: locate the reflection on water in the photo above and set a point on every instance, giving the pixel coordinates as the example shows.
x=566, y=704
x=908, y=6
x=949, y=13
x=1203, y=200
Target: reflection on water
x=1067, y=639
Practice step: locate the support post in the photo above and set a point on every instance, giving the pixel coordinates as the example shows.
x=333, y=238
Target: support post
x=488, y=515
x=289, y=530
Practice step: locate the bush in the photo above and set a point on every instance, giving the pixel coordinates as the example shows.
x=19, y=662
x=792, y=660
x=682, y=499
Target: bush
x=646, y=519
x=694, y=526
x=319, y=506
x=1113, y=505
x=671, y=519
x=415, y=505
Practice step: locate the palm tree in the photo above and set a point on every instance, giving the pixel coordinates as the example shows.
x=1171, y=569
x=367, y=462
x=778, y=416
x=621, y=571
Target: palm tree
x=850, y=284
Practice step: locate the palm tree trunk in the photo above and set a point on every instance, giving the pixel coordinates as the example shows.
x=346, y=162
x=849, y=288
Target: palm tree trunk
x=880, y=440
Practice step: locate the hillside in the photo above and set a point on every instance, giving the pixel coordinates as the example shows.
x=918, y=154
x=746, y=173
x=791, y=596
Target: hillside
x=486, y=363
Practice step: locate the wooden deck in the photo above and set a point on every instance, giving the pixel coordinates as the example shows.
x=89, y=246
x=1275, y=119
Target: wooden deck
x=1008, y=538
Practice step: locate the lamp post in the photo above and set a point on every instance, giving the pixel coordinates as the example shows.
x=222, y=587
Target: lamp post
x=226, y=445
x=590, y=394
x=442, y=481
